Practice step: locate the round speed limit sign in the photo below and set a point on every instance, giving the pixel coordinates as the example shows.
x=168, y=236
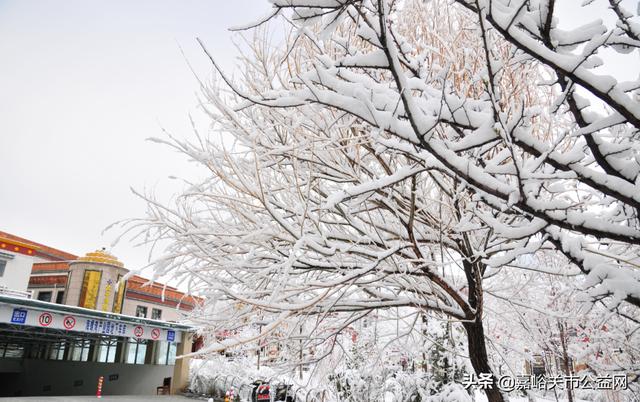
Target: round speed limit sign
x=45, y=319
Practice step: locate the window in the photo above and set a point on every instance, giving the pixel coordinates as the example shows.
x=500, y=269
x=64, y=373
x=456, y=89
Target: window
x=36, y=351
x=166, y=353
x=60, y=297
x=80, y=352
x=90, y=288
x=171, y=357
x=156, y=314
x=141, y=311
x=136, y=351
x=107, y=350
x=11, y=350
x=45, y=296
x=4, y=257
x=57, y=351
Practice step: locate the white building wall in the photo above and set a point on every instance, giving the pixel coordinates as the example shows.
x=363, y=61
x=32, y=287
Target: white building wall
x=16, y=273
x=168, y=313
x=54, y=292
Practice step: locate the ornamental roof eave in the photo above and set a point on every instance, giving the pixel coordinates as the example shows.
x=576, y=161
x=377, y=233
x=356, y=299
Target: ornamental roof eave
x=99, y=257
x=40, y=250
x=25, y=244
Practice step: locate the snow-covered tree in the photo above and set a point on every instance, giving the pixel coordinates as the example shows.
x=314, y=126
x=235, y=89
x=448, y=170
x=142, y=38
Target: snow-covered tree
x=545, y=317
x=563, y=173
x=397, y=156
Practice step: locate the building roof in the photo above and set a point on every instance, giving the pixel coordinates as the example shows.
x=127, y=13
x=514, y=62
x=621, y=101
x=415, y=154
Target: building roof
x=15, y=246
x=101, y=257
x=140, y=288
x=40, y=250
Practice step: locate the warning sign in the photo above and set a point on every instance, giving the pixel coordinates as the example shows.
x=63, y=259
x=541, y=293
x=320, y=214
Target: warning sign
x=69, y=322
x=138, y=331
x=45, y=319
x=155, y=334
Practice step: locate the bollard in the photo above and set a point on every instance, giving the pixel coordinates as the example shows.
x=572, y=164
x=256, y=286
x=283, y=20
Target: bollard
x=99, y=391
x=231, y=395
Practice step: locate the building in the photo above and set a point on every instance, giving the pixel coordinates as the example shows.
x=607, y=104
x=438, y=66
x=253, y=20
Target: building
x=67, y=320
x=17, y=257
x=90, y=281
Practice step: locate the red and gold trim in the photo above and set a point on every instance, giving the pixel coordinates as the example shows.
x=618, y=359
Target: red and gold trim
x=38, y=250
x=48, y=281
x=49, y=267
x=15, y=246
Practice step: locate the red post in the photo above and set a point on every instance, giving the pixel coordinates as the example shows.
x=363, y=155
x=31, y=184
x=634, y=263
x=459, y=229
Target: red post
x=99, y=391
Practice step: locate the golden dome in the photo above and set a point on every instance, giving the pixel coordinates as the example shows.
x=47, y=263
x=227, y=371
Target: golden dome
x=101, y=257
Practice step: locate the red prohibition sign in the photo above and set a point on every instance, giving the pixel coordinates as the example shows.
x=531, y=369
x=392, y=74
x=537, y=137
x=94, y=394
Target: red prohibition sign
x=155, y=333
x=138, y=331
x=69, y=322
x=45, y=319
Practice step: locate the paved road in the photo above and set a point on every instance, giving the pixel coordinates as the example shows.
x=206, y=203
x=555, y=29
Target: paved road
x=115, y=398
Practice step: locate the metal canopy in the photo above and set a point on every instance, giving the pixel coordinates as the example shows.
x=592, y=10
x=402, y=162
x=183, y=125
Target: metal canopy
x=85, y=312
x=26, y=319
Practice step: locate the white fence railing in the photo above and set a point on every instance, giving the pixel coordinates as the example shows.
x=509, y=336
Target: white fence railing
x=25, y=294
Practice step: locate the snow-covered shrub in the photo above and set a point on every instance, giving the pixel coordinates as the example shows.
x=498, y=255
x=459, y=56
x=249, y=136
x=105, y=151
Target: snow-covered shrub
x=452, y=392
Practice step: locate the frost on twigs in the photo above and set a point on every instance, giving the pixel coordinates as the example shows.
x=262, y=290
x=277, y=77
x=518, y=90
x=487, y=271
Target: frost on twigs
x=548, y=155
x=408, y=161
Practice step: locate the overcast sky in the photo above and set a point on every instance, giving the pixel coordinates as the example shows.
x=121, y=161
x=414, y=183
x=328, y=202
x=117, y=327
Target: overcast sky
x=82, y=85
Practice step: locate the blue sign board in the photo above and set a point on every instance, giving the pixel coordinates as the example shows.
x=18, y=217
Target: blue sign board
x=171, y=335
x=19, y=316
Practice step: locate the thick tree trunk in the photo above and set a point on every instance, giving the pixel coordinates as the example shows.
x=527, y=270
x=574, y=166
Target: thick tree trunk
x=474, y=270
x=479, y=359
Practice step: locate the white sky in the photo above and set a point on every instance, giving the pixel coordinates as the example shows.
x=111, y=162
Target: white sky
x=82, y=85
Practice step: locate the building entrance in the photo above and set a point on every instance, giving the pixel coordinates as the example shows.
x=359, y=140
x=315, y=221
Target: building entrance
x=53, y=349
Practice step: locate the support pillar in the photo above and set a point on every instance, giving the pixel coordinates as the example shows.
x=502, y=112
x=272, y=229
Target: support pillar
x=149, y=357
x=180, y=378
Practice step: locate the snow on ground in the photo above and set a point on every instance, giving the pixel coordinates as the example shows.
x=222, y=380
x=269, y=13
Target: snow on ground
x=239, y=374
x=119, y=398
